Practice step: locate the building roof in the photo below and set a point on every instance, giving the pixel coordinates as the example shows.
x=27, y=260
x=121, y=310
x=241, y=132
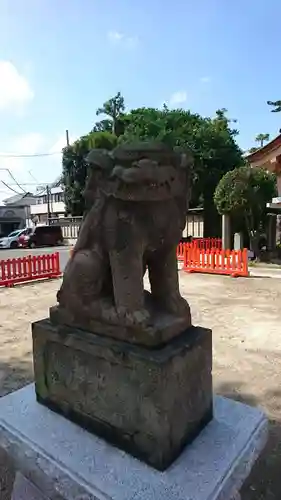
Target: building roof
x=16, y=198
x=53, y=190
x=268, y=148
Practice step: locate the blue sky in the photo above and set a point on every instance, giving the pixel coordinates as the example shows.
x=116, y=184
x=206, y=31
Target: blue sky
x=61, y=59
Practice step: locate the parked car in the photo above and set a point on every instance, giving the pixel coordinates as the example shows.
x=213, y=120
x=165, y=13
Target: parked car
x=13, y=240
x=43, y=236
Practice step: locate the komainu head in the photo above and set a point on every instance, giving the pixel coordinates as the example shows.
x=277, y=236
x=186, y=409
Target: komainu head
x=140, y=171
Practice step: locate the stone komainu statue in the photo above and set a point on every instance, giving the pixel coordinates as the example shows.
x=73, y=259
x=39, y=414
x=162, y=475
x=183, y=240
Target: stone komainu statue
x=137, y=197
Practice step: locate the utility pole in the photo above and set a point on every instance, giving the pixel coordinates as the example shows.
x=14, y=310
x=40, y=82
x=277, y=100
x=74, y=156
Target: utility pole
x=48, y=204
x=67, y=138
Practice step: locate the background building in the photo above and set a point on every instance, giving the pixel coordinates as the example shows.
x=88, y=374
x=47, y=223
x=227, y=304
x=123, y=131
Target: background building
x=52, y=200
x=16, y=213
x=269, y=158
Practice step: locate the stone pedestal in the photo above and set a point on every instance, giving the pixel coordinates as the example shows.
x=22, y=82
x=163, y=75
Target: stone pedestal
x=226, y=232
x=271, y=231
x=63, y=461
x=238, y=241
x=149, y=402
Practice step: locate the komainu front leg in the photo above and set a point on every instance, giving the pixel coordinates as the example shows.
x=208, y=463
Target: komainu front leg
x=164, y=281
x=127, y=276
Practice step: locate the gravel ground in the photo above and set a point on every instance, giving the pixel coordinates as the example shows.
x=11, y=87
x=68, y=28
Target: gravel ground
x=245, y=316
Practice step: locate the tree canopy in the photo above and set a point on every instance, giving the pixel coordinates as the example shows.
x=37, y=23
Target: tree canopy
x=74, y=167
x=113, y=108
x=276, y=105
x=243, y=194
x=261, y=138
x=211, y=140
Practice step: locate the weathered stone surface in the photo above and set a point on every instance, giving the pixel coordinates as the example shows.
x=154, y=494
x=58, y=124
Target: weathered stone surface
x=163, y=328
x=150, y=402
x=123, y=361
x=137, y=197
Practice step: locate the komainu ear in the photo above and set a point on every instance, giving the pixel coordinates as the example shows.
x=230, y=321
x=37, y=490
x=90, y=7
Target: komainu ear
x=100, y=158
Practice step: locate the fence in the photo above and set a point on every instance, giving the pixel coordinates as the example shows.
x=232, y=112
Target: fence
x=202, y=243
x=194, y=225
x=69, y=226
x=30, y=268
x=180, y=251
x=207, y=243
x=215, y=261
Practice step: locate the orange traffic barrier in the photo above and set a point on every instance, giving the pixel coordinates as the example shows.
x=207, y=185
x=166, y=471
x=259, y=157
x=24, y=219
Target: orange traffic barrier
x=202, y=243
x=180, y=251
x=30, y=268
x=207, y=243
x=215, y=261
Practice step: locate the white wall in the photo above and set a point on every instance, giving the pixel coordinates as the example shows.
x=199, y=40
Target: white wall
x=42, y=208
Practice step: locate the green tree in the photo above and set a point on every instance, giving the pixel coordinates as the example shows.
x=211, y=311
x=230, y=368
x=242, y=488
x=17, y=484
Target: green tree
x=243, y=194
x=113, y=108
x=276, y=105
x=212, y=142
x=74, y=168
x=253, y=149
x=261, y=138
x=224, y=122
x=103, y=126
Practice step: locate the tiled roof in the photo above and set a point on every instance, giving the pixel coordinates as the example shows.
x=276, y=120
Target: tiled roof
x=261, y=152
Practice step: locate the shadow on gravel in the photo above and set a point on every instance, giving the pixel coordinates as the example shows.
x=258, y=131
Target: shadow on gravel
x=14, y=375
x=264, y=483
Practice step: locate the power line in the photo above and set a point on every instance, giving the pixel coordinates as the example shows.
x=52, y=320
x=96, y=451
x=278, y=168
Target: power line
x=10, y=187
x=4, y=155
x=31, y=183
x=15, y=180
x=4, y=191
x=12, y=177
x=36, y=155
x=32, y=176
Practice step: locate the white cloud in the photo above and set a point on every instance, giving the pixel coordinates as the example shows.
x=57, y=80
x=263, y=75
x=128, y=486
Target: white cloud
x=177, y=98
x=120, y=39
x=15, y=90
x=29, y=144
x=115, y=36
x=17, y=167
x=43, y=168
x=205, y=79
x=26, y=144
x=60, y=143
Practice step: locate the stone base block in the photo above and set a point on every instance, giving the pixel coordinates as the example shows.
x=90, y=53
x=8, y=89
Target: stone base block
x=64, y=462
x=164, y=326
x=150, y=403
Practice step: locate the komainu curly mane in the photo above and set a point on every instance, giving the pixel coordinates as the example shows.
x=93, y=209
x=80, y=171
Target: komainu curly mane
x=138, y=199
